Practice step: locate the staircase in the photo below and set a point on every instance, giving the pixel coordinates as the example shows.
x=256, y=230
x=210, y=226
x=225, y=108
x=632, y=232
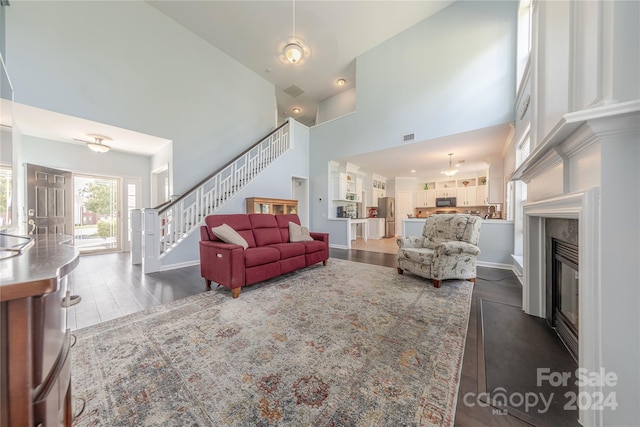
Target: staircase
x=175, y=221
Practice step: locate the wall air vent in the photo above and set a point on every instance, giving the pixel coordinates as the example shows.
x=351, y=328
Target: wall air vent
x=410, y=137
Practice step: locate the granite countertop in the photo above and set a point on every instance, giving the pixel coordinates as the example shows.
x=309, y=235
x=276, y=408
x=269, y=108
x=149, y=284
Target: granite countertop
x=36, y=269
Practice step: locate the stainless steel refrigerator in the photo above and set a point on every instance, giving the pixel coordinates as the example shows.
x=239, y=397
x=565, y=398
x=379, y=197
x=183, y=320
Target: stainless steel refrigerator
x=387, y=210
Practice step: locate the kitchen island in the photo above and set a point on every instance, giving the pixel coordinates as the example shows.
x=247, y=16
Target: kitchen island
x=496, y=240
x=35, y=344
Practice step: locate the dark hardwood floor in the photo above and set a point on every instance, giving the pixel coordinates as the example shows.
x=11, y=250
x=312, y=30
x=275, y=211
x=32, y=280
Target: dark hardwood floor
x=111, y=287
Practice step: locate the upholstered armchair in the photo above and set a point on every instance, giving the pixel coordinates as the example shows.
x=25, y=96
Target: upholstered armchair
x=447, y=249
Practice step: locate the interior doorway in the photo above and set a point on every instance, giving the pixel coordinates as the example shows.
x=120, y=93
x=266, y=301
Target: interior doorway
x=96, y=217
x=300, y=192
x=160, y=186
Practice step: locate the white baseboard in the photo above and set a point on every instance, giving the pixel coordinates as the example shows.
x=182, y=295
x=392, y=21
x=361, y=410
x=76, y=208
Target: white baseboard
x=494, y=265
x=337, y=246
x=179, y=265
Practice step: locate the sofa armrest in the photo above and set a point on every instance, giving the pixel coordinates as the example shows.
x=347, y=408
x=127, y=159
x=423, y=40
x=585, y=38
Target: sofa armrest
x=456, y=247
x=222, y=263
x=204, y=233
x=322, y=237
x=410, y=242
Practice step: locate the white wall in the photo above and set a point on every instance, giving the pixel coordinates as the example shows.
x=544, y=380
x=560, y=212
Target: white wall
x=336, y=106
x=128, y=65
x=453, y=72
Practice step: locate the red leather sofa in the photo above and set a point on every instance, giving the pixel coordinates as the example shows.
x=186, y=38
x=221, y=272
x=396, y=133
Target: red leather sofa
x=269, y=253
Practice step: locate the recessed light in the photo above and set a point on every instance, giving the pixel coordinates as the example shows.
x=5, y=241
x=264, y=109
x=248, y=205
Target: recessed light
x=341, y=82
x=296, y=110
x=413, y=171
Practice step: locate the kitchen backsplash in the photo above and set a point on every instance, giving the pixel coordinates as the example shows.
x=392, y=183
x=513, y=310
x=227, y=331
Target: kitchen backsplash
x=480, y=211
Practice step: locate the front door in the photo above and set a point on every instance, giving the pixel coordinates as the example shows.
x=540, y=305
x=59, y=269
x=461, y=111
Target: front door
x=49, y=201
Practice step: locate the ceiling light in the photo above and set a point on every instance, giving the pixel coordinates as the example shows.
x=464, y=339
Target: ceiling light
x=341, y=82
x=293, y=51
x=296, y=110
x=413, y=171
x=98, y=146
x=450, y=171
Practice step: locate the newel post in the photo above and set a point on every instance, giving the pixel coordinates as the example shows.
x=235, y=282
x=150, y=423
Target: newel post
x=136, y=236
x=151, y=241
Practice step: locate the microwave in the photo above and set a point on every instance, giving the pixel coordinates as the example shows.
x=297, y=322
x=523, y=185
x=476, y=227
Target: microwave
x=446, y=202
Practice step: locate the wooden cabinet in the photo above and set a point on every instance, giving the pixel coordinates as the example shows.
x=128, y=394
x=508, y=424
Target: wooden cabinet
x=271, y=206
x=35, y=365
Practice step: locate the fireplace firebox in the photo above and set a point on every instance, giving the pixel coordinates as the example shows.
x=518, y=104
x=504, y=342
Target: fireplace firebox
x=564, y=313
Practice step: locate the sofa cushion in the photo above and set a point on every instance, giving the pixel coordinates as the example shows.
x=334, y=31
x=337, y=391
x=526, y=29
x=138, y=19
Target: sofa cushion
x=283, y=221
x=314, y=246
x=228, y=235
x=298, y=233
x=265, y=229
x=289, y=250
x=239, y=222
x=260, y=256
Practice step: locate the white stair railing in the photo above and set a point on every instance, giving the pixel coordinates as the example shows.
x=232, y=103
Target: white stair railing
x=184, y=215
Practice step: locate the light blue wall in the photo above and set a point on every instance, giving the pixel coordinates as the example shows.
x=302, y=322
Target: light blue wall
x=125, y=64
x=275, y=182
x=79, y=159
x=452, y=73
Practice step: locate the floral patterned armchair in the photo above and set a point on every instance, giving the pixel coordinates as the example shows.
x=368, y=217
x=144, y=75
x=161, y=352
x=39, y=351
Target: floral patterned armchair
x=447, y=248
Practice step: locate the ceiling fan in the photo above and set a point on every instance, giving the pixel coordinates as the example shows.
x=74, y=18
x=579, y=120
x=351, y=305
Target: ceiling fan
x=96, y=145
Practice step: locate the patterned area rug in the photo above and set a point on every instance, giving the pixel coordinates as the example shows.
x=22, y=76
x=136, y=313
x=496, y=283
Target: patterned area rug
x=349, y=344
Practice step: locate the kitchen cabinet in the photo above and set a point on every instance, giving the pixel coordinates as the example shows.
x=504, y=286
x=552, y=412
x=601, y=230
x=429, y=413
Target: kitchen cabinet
x=481, y=195
x=426, y=199
x=378, y=188
x=271, y=206
x=466, y=196
x=495, y=181
x=376, y=228
x=344, y=187
x=446, y=192
x=359, y=190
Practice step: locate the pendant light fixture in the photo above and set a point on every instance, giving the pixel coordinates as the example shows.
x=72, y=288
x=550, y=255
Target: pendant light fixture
x=450, y=172
x=293, y=50
x=98, y=146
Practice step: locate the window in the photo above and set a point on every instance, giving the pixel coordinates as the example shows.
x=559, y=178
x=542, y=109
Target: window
x=524, y=39
x=519, y=194
x=6, y=183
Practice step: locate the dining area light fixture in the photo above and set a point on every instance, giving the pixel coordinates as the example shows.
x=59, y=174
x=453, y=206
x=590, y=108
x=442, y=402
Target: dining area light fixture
x=97, y=145
x=450, y=172
x=293, y=51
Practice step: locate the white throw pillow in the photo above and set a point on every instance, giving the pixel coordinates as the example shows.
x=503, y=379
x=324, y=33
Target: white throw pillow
x=298, y=233
x=229, y=235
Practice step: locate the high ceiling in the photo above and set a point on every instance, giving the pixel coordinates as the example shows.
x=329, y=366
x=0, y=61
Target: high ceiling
x=333, y=34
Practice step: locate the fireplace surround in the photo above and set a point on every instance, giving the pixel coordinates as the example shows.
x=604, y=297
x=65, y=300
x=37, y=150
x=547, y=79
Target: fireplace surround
x=585, y=208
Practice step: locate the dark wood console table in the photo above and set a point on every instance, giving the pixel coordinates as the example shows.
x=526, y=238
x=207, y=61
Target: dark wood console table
x=35, y=342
